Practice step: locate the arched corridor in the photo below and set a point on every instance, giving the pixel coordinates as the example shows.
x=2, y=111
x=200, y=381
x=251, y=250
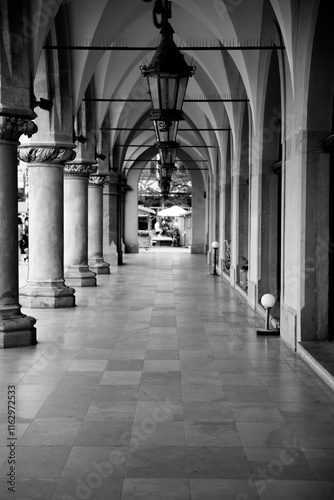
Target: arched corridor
x=157, y=386
x=97, y=328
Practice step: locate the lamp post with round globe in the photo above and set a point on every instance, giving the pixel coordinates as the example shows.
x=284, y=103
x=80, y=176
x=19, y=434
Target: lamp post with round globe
x=215, y=246
x=268, y=301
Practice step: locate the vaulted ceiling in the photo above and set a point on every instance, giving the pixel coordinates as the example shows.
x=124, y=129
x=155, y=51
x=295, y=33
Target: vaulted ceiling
x=197, y=24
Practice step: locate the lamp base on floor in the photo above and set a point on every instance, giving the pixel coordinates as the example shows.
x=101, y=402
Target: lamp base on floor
x=263, y=331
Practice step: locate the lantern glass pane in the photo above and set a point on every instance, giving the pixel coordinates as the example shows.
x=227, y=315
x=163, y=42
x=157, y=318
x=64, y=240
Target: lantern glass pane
x=163, y=133
x=154, y=91
x=168, y=89
x=156, y=130
x=183, y=82
x=173, y=131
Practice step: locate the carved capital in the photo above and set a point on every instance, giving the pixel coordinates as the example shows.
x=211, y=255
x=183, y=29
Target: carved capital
x=12, y=127
x=45, y=154
x=80, y=169
x=97, y=180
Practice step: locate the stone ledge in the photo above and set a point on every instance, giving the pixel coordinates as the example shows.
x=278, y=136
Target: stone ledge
x=320, y=357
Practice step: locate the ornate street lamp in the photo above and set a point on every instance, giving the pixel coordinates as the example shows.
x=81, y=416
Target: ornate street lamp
x=167, y=77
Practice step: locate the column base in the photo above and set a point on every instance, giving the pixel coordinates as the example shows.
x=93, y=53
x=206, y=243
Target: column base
x=17, y=331
x=43, y=295
x=79, y=276
x=98, y=266
x=198, y=248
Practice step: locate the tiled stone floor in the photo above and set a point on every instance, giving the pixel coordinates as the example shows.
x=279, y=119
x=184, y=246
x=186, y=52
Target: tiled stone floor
x=156, y=387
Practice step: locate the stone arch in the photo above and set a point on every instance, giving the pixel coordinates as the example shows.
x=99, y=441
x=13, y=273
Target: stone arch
x=53, y=81
x=243, y=202
x=271, y=185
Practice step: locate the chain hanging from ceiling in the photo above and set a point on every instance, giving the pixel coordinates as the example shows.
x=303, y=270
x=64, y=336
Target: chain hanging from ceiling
x=161, y=12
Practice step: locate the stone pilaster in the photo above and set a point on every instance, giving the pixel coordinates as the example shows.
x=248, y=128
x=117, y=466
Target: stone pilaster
x=16, y=329
x=95, y=225
x=45, y=284
x=77, y=272
x=110, y=223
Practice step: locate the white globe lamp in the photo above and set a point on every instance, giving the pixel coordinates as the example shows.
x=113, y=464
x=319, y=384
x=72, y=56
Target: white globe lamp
x=215, y=246
x=268, y=301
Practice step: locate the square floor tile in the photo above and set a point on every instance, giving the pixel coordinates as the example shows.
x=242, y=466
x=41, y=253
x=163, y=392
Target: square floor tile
x=104, y=433
x=104, y=410
x=39, y=461
x=219, y=489
x=32, y=488
x=121, y=378
x=256, y=412
x=313, y=435
x=265, y=434
x=322, y=462
x=93, y=353
x=109, y=393
x=157, y=462
x=150, y=432
x=249, y=393
x=45, y=433
x=98, y=484
x=208, y=411
x=217, y=462
x=295, y=489
x=125, y=365
x=203, y=392
x=86, y=365
x=34, y=392
x=161, y=365
x=279, y=463
x=160, y=392
x=154, y=354
x=157, y=489
x=212, y=434
x=159, y=412
x=83, y=460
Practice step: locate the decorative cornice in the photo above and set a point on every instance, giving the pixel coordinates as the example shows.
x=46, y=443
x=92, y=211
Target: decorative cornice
x=12, y=127
x=80, y=169
x=47, y=154
x=97, y=180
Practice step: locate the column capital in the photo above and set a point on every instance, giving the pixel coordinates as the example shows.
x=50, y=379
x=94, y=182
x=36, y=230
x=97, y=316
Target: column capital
x=80, y=169
x=45, y=154
x=98, y=179
x=12, y=127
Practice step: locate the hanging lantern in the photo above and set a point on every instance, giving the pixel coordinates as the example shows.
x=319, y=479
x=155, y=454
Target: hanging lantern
x=165, y=180
x=167, y=151
x=167, y=77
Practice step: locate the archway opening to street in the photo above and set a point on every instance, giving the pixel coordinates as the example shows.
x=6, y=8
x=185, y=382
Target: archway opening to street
x=174, y=227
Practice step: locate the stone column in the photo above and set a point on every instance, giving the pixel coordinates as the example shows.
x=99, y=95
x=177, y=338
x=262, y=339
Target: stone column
x=131, y=212
x=16, y=329
x=77, y=272
x=45, y=284
x=110, y=204
x=95, y=225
